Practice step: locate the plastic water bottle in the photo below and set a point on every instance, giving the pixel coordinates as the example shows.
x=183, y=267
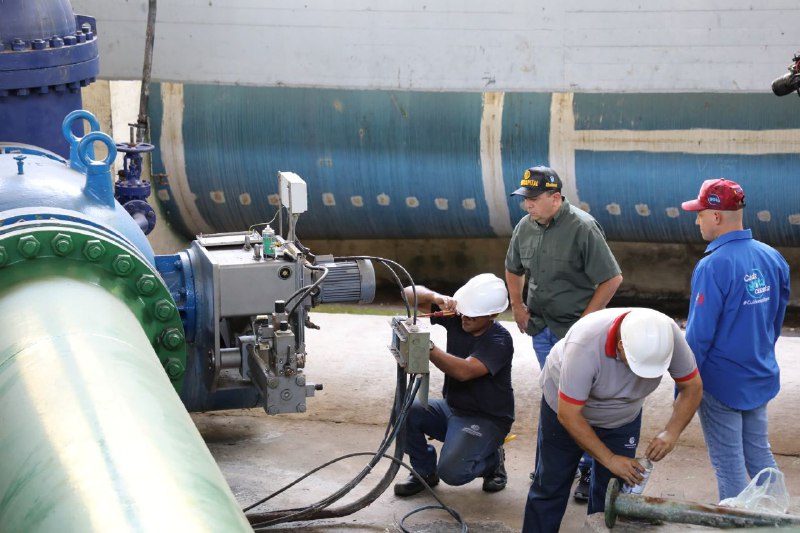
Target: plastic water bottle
x=638, y=489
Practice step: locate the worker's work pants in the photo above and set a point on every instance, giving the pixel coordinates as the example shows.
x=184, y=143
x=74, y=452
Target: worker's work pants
x=737, y=442
x=470, y=443
x=558, y=457
x=543, y=342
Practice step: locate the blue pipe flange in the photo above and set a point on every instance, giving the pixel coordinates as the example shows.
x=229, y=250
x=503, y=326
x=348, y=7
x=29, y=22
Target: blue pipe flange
x=45, y=48
x=177, y=273
x=47, y=53
x=142, y=213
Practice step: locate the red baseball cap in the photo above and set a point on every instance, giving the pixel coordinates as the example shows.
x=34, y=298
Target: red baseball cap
x=718, y=194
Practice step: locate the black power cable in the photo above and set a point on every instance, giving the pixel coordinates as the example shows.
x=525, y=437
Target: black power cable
x=305, y=291
x=395, y=432
x=403, y=399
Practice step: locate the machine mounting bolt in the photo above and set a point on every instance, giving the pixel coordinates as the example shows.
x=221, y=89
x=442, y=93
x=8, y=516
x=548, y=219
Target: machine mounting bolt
x=29, y=246
x=146, y=284
x=62, y=244
x=174, y=367
x=122, y=264
x=300, y=380
x=272, y=383
x=171, y=339
x=164, y=310
x=3, y=256
x=272, y=410
x=93, y=250
x=301, y=408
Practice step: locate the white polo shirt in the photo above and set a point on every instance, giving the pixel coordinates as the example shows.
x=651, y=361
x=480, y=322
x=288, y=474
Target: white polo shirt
x=583, y=369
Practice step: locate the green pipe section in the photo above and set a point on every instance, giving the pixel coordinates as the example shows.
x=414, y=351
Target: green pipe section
x=93, y=436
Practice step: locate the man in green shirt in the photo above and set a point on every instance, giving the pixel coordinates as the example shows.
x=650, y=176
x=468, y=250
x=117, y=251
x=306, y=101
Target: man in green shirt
x=571, y=271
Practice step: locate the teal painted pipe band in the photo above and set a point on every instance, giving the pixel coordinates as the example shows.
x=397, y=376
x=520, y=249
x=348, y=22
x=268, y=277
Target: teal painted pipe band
x=94, y=437
x=416, y=164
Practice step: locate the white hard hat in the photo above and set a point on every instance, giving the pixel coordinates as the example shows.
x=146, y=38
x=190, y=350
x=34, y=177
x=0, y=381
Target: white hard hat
x=483, y=295
x=647, y=337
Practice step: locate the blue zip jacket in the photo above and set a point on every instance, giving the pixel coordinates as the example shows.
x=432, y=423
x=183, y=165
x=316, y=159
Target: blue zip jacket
x=739, y=294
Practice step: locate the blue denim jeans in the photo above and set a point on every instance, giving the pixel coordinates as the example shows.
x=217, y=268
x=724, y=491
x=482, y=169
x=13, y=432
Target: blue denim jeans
x=737, y=443
x=543, y=342
x=470, y=443
x=558, y=456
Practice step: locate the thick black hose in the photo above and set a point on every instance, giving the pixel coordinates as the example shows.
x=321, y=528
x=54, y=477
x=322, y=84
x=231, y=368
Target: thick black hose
x=386, y=480
x=403, y=400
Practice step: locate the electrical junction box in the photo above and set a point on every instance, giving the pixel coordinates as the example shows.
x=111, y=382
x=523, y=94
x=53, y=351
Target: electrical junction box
x=294, y=193
x=411, y=346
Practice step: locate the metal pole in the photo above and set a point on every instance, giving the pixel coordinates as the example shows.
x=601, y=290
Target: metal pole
x=93, y=436
x=147, y=67
x=650, y=508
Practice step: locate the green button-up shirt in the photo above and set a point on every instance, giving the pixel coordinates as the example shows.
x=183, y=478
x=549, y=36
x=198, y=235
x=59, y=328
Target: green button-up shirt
x=564, y=262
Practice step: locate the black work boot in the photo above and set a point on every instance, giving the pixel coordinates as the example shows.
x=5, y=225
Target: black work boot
x=581, y=493
x=412, y=485
x=496, y=481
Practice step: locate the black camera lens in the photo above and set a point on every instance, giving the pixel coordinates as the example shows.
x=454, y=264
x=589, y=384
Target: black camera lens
x=786, y=84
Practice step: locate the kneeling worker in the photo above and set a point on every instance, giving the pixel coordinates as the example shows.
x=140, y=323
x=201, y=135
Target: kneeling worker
x=478, y=406
x=593, y=386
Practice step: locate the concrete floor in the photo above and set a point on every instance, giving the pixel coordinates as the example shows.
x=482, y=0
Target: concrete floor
x=259, y=454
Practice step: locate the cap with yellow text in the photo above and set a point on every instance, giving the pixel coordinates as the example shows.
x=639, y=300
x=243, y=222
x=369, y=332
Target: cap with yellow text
x=718, y=194
x=537, y=180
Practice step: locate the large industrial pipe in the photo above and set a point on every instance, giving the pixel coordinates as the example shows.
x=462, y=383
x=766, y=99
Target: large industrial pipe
x=415, y=164
x=94, y=437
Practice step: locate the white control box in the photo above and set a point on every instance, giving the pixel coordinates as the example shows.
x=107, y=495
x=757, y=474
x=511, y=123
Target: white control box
x=294, y=194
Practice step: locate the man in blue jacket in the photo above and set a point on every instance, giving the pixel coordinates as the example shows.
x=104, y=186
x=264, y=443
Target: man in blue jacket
x=739, y=295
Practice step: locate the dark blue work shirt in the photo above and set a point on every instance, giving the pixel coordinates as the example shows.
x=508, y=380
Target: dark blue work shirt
x=490, y=395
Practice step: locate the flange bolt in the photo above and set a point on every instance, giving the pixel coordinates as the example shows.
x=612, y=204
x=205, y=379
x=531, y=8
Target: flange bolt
x=146, y=284
x=93, y=250
x=29, y=246
x=62, y=244
x=171, y=339
x=164, y=310
x=174, y=367
x=122, y=264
